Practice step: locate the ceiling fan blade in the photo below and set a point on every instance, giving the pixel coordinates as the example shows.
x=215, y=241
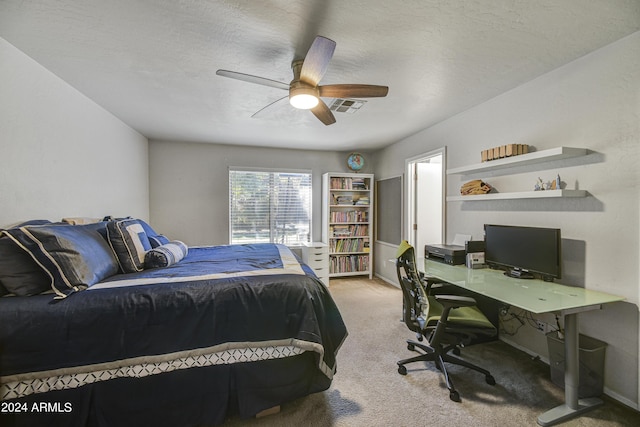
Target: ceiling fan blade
x=353, y=91
x=317, y=60
x=323, y=113
x=269, y=106
x=253, y=79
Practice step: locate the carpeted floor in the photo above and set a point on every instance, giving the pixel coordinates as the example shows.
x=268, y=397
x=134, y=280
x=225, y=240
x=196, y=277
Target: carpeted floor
x=368, y=391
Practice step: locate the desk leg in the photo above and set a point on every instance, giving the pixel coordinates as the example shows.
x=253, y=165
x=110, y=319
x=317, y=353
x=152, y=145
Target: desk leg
x=572, y=406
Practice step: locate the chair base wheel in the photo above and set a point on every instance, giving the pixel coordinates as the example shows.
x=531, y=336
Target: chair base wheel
x=411, y=347
x=454, y=395
x=402, y=370
x=490, y=380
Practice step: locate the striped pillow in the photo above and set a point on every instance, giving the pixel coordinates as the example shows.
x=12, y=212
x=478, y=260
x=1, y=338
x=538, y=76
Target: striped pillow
x=74, y=256
x=166, y=255
x=19, y=273
x=129, y=243
x=157, y=240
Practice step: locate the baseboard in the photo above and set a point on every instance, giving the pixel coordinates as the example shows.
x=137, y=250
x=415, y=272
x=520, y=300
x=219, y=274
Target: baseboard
x=609, y=393
x=524, y=349
x=621, y=399
x=391, y=282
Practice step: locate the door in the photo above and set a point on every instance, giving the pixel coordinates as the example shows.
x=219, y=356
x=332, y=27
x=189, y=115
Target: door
x=425, y=199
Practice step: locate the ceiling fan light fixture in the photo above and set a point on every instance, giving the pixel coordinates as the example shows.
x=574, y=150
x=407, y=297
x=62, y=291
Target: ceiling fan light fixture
x=303, y=101
x=303, y=96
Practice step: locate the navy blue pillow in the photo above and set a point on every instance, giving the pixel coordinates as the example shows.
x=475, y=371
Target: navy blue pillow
x=129, y=243
x=19, y=273
x=74, y=256
x=3, y=290
x=166, y=255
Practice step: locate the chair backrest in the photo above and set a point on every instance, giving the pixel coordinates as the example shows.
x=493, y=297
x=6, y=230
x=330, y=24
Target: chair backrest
x=414, y=295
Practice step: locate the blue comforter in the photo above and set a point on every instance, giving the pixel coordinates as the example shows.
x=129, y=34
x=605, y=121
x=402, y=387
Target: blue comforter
x=219, y=305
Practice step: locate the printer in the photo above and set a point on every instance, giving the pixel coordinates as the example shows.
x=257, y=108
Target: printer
x=448, y=254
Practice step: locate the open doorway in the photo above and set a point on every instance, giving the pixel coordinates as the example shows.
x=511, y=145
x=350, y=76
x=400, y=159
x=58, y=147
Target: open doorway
x=425, y=199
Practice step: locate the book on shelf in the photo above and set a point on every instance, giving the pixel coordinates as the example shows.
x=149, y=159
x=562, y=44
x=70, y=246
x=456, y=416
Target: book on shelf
x=349, y=216
x=359, y=184
x=349, y=245
x=341, y=231
x=344, y=200
x=348, y=183
x=349, y=264
x=362, y=201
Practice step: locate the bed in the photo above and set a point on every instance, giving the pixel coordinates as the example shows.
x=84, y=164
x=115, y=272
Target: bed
x=187, y=338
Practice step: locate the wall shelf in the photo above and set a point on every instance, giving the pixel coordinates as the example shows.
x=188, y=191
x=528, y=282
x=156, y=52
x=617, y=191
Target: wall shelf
x=536, y=157
x=545, y=194
x=521, y=160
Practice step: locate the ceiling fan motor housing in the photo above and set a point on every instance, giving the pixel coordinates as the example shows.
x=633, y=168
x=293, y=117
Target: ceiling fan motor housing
x=302, y=95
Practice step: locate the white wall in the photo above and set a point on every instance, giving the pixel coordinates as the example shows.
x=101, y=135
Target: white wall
x=190, y=185
x=61, y=154
x=593, y=102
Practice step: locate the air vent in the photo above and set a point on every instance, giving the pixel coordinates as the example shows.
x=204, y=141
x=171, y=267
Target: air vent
x=346, y=105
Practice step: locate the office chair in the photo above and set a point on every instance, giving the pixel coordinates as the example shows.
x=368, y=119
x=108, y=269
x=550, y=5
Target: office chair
x=447, y=321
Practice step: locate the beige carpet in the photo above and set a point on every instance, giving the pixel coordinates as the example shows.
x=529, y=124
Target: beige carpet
x=368, y=391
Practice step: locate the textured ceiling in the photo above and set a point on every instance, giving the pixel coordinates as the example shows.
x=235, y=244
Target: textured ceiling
x=152, y=63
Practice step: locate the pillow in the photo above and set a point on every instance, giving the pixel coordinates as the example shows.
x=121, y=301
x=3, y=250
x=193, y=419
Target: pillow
x=158, y=240
x=30, y=222
x=154, y=238
x=80, y=220
x=74, y=256
x=3, y=290
x=19, y=273
x=166, y=255
x=129, y=243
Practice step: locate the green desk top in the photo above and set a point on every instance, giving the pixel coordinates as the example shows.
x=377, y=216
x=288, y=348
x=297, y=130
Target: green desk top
x=533, y=295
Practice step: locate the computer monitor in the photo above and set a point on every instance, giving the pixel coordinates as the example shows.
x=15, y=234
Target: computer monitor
x=524, y=252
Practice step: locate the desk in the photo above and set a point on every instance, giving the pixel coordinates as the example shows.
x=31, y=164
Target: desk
x=535, y=296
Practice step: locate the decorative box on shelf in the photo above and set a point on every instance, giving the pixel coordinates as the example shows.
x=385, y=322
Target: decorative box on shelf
x=502, y=151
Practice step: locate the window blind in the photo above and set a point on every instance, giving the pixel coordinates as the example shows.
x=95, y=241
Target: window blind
x=269, y=206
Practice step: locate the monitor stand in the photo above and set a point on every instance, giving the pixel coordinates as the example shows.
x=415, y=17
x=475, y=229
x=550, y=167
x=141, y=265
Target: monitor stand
x=518, y=274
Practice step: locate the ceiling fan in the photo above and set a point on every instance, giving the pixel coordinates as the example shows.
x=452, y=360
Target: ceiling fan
x=304, y=91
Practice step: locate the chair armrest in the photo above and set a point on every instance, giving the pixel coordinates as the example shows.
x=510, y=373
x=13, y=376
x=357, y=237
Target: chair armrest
x=455, y=301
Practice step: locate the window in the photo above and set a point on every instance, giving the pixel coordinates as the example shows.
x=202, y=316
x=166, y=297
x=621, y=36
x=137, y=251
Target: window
x=268, y=206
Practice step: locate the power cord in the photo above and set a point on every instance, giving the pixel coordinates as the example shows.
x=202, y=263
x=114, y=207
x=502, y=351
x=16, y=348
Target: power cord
x=506, y=318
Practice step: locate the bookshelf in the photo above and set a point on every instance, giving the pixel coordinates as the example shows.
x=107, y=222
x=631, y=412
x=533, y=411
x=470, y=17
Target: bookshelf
x=347, y=223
